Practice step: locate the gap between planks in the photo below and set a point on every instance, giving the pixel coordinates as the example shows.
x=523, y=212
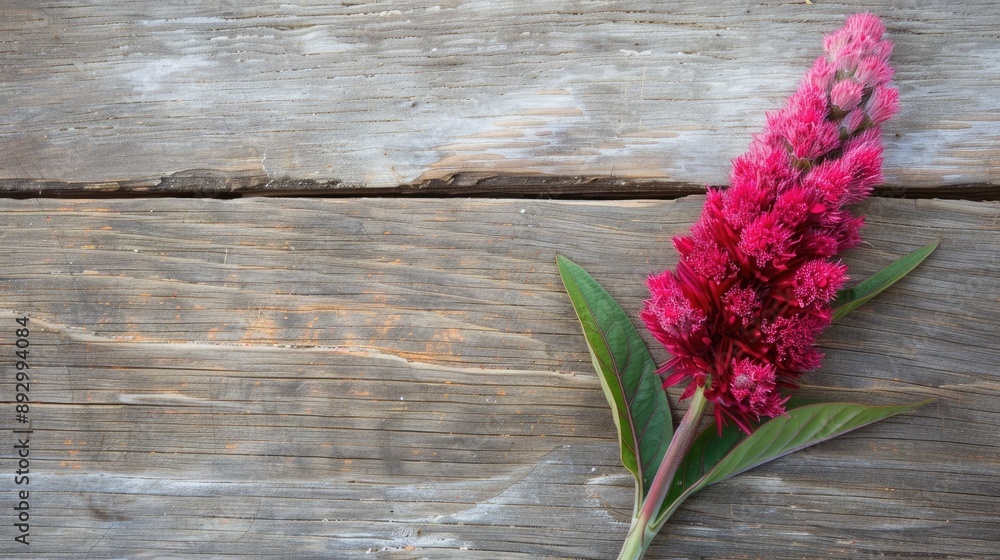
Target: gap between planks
x=220, y=185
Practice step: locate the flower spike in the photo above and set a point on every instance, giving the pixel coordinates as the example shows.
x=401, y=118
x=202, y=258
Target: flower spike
x=756, y=275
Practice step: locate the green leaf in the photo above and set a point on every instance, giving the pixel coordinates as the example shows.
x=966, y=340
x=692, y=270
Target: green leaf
x=707, y=450
x=627, y=373
x=801, y=427
x=850, y=299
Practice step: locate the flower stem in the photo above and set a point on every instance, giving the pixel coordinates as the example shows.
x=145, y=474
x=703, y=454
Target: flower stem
x=640, y=534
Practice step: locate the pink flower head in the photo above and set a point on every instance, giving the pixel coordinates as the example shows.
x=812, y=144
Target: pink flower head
x=754, y=282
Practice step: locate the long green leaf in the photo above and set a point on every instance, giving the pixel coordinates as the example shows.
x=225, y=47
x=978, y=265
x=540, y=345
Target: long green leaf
x=850, y=299
x=708, y=449
x=627, y=373
x=801, y=427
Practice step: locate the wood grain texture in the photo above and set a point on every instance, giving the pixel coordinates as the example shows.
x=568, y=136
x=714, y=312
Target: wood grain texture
x=314, y=95
x=276, y=378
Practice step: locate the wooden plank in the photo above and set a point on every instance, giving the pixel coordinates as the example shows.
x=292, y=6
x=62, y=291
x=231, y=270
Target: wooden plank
x=318, y=96
x=275, y=378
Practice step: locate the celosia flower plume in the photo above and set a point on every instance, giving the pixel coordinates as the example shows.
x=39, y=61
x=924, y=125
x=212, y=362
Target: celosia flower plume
x=756, y=275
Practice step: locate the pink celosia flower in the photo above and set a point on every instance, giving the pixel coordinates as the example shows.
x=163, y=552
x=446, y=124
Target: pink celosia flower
x=754, y=282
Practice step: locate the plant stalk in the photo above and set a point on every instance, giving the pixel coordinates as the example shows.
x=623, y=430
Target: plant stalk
x=640, y=535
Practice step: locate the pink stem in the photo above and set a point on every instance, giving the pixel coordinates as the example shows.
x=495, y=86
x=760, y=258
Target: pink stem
x=640, y=538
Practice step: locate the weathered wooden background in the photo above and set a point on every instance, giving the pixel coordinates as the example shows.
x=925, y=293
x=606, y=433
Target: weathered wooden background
x=316, y=95
x=368, y=374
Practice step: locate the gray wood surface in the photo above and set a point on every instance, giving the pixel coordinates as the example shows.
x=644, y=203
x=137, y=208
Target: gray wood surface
x=404, y=378
x=399, y=378
x=290, y=96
